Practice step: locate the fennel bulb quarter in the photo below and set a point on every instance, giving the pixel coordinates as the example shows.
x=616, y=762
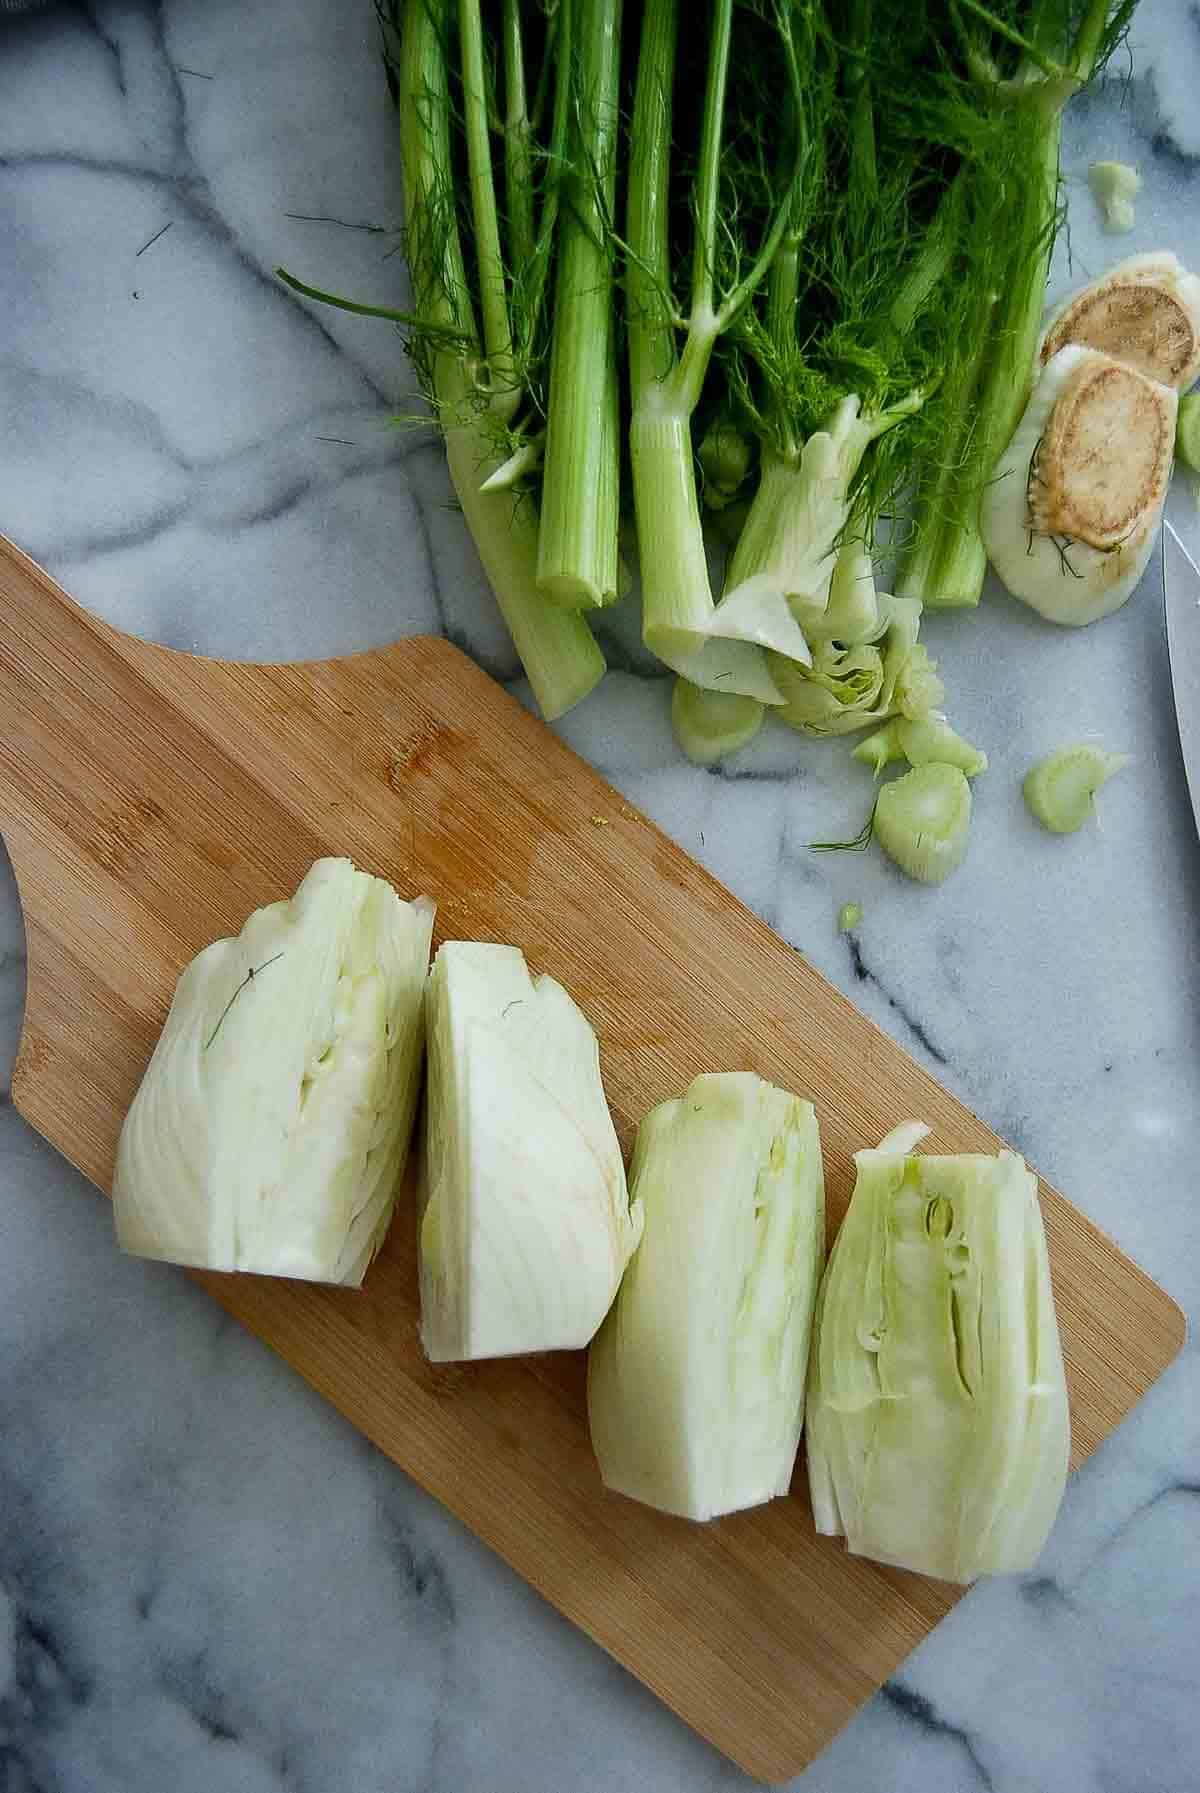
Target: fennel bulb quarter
x=526, y=1223
x=938, y=1430
x=696, y=1379
x=272, y=1125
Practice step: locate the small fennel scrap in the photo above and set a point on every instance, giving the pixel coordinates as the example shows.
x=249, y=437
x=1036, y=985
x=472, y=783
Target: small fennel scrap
x=1061, y=789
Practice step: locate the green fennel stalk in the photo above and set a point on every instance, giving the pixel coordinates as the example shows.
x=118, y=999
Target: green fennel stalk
x=556, y=648
x=479, y=376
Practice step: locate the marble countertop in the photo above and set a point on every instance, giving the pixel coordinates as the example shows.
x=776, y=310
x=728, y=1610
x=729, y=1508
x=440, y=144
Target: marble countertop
x=207, y=1579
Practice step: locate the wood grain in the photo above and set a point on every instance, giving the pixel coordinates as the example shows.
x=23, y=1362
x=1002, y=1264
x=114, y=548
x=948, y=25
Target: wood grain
x=150, y=799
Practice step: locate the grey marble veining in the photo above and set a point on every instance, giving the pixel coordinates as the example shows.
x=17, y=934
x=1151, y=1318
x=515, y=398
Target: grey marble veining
x=207, y=1580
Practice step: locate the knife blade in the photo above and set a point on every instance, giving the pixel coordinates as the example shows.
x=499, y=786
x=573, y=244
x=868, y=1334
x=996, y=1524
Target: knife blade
x=1181, y=600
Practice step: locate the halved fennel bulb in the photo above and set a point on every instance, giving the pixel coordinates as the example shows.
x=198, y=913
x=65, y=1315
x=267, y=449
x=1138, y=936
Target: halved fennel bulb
x=526, y=1223
x=696, y=1379
x=272, y=1125
x=938, y=1429
x=1070, y=516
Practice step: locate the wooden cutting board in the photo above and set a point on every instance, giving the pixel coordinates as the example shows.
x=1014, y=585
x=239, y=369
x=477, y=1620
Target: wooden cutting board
x=151, y=799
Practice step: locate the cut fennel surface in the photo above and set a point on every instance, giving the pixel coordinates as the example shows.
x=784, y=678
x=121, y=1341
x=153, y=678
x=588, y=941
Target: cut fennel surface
x=272, y=1125
x=526, y=1223
x=938, y=1429
x=696, y=1380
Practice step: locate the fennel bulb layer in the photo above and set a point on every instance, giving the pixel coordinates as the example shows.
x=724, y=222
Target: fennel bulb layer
x=272, y=1125
x=938, y=1429
x=696, y=1379
x=526, y=1223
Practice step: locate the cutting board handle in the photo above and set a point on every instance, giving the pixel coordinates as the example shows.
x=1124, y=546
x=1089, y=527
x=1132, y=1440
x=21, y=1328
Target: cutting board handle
x=140, y=797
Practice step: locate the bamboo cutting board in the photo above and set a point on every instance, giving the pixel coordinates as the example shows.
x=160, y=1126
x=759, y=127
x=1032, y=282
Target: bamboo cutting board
x=150, y=799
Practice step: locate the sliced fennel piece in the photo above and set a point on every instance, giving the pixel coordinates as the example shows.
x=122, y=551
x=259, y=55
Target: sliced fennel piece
x=938, y=1428
x=696, y=1379
x=1144, y=312
x=710, y=724
x=879, y=748
x=920, y=741
x=930, y=739
x=922, y=821
x=1070, y=518
x=1060, y=790
x=272, y=1125
x=526, y=1224
x=1115, y=186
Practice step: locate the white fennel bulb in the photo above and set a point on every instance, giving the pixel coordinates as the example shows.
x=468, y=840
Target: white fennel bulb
x=272, y=1125
x=526, y=1223
x=938, y=1430
x=1070, y=515
x=696, y=1379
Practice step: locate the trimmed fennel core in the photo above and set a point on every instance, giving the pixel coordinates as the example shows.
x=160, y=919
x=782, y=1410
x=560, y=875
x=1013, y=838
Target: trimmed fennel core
x=938, y=1428
x=1061, y=789
x=525, y=1222
x=271, y=1128
x=696, y=1379
x=849, y=687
